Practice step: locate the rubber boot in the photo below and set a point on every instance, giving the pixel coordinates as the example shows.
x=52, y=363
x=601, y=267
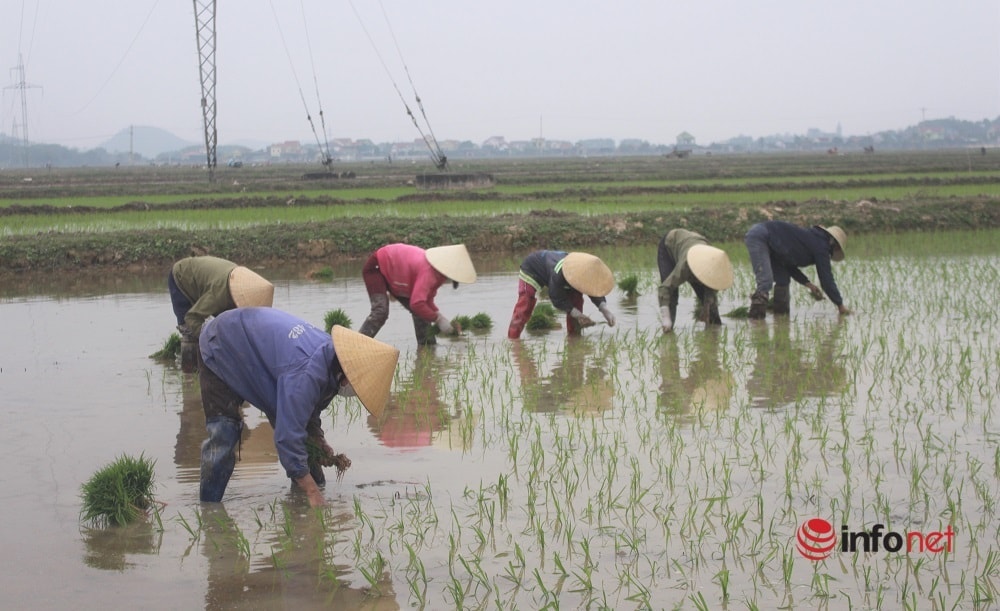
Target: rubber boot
x=782, y=300
x=316, y=471
x=189, y=355
x=675, y=297
x=218, y=457
x=758, y=306
x=424, y=332
x=378, y=315
x=713, y=314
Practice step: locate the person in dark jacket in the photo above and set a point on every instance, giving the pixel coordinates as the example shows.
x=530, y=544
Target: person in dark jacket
x=778, y=249
x=686, y=257
x=202, y=287
x=290, y=370
x=568, y=277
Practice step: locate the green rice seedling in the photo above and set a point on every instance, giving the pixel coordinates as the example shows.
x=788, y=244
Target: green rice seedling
x=118, y=493
x=323, y=273
x=543, y=318
x=461, y=321
x=738, y=312
x=481, y=322
x=337, y=317
x=629, y=285
x=170, y=349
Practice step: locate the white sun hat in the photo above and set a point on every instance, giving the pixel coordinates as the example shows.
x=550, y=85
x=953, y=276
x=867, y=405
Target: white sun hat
x=368, y=364
x=248, y=289
x=588, y=274
x=840, y=237
x=453, y=261
x=711, y=266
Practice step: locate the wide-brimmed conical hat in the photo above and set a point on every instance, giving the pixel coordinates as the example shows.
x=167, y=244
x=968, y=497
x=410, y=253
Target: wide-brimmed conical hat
x=711, y=266
x=840, y=237
x=588, y=274
x=249, y=290
x=453, y=261
x=368, y=364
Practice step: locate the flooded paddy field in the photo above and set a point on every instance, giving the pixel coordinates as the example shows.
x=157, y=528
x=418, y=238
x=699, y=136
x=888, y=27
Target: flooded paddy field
x=620, y=469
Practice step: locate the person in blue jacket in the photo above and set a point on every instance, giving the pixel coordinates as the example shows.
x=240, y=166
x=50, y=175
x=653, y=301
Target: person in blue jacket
x=290, y=370
x=778, y=249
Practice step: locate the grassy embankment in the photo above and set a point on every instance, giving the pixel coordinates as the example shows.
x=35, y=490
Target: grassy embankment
x=129, y=216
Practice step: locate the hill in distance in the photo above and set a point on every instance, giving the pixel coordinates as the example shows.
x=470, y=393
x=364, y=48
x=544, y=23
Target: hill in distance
x=146, y=141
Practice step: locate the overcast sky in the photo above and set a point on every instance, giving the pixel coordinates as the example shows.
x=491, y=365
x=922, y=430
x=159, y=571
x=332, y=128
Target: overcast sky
x=562, y=69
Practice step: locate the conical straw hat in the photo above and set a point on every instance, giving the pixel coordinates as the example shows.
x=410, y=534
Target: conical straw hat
x=588, y=274
x=453, y=261
x=250, y=290
x=840, y=237
x=368, y=364
x=711, y=266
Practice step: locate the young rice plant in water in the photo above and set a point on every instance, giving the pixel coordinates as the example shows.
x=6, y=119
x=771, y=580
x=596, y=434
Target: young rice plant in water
x=543, y=318
x=119, y=492
x=337, y=317
x=170, y=349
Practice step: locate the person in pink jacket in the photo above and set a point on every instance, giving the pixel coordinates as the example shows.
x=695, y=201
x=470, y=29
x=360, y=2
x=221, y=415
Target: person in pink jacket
x=412, y=276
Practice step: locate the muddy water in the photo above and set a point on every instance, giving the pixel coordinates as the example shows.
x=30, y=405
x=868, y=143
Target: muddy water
x=78, y=390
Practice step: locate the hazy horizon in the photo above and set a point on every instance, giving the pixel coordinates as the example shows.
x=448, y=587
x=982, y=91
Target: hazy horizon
x=560, y=70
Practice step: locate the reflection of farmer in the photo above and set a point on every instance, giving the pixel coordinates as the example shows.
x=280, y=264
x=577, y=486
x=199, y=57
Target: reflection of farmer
x=236, y=581
x=568, y=277
x=290, y=370
x=201, y=287
x=787, y=369
x=778, y=249
x=415, y=412
x=256, y=444
x=707, y=385
x=412, y=276
x=685, y=256
x=573, y=384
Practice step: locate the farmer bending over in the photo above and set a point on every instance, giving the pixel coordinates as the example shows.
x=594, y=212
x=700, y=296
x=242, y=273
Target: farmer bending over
x=778, y=249
x=568, y=277
x=685, y=256
x=290, y=370
x=412, y=276
x=201, y=287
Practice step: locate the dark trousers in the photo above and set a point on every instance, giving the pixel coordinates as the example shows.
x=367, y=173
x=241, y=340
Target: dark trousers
x=666, y=263
x=178, y=299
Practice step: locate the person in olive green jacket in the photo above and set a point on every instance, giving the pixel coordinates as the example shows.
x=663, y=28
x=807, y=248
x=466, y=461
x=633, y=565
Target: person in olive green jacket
x=686, y=257
x=201, y=287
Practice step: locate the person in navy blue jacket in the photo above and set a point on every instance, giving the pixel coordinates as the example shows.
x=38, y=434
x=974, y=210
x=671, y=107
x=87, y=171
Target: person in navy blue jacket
x=778, y=249
x=568, y=277
x=290, y=370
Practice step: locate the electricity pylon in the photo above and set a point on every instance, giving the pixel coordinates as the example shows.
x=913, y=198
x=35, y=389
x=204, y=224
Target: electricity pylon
x=204, y=18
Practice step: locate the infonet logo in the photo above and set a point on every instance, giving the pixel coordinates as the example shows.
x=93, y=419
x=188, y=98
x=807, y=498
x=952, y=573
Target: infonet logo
x=816, y=540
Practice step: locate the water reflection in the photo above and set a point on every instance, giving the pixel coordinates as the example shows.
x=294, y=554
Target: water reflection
x=702, y=384
x=109, y=548
x=256, y=456
x=415, y=413
x=293, y=560
x=578, y=381
x=796, y=361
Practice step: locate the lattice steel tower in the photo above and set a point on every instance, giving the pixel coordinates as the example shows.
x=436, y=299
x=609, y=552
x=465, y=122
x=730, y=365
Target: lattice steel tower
x=204, y=18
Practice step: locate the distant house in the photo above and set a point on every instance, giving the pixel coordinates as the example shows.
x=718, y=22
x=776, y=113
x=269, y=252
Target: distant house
x=290, y=150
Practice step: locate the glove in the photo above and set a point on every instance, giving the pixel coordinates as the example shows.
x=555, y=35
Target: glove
x=583, y=320
x=668, y=324
x=444, y=324
x=608, y=316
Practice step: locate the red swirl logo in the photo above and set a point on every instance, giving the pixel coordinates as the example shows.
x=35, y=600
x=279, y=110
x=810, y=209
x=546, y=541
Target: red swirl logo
x=816, y=539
